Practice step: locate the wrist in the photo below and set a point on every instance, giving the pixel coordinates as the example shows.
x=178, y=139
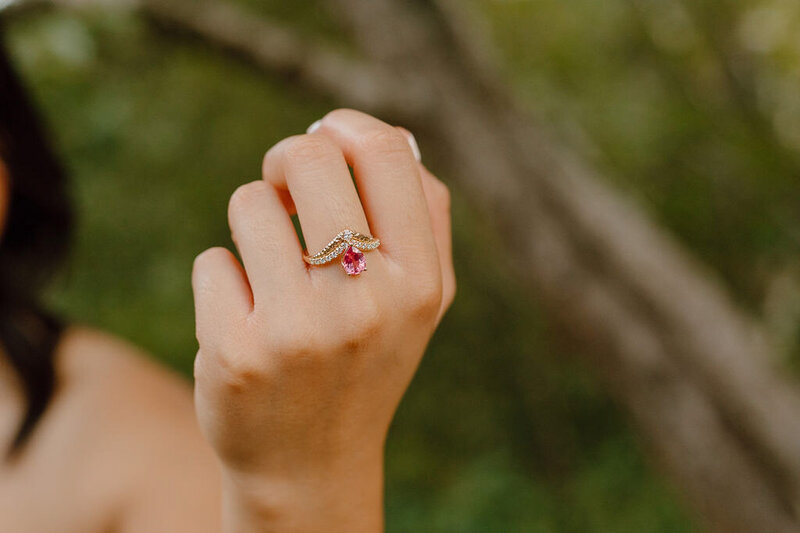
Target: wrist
x=347, y=497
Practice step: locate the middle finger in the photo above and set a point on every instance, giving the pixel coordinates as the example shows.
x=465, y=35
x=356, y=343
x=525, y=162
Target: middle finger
x=314, y=172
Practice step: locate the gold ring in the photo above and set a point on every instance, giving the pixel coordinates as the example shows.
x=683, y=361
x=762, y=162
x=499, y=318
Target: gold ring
x=353, y=244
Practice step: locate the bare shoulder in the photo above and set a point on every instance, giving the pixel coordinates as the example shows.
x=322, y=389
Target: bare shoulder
x=135, y=421
x=93, y=365
x=123, y=388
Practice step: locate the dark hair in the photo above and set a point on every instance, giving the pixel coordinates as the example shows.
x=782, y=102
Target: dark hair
x=32, y=246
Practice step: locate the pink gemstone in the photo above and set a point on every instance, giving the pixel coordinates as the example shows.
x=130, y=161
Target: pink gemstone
x=353, y=261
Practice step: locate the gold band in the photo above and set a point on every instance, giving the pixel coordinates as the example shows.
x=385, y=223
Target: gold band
x=339, y=244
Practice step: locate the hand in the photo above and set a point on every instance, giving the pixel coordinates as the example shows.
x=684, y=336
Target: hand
x=300, y=369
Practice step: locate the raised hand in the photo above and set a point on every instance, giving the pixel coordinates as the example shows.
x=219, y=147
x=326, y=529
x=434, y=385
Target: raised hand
x=301, y=367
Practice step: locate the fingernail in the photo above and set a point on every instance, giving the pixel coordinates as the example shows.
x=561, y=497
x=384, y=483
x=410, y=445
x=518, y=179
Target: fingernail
x=314, y=127
x=412, y=142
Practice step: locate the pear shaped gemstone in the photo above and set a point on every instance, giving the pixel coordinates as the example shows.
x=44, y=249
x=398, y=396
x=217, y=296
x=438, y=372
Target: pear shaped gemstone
x=353, y=261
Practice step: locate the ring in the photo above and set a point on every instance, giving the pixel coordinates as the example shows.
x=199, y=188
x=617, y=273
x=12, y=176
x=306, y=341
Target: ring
x=353, y=244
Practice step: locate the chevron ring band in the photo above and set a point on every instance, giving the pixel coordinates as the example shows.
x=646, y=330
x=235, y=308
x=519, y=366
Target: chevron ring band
x=351, y=246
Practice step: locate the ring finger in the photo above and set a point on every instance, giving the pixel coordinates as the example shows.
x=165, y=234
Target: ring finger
x=314, y=172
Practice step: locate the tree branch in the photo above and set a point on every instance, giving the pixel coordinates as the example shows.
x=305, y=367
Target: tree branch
x=273, y=47
x=603, y=266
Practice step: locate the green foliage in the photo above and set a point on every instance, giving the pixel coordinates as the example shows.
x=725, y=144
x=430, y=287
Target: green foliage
x=643, y=93
x=502, y=429
x=157, y=135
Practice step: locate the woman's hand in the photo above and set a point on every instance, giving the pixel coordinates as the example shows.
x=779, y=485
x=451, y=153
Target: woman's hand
x=300, y=369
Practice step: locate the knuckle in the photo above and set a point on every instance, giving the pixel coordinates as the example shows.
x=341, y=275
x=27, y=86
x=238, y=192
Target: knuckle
x=207, y=258
x=214, y=341
x=369, y=320
x=237, y=372
x=386, y=140
x=426, y=298
x=246, y=198
x=290, y=341
x=303, y=148
x=449, y=295
x=442, y=193
x=287, y=345
x=199, y=369
x=365, y=322
x=340, y=114
x=293, y=353
x=230, y=361
x=362, y=334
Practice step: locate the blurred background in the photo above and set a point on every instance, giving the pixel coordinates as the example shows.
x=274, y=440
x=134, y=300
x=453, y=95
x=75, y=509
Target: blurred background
x=691, y=109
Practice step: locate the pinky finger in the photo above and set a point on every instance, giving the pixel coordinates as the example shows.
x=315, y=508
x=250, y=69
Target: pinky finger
x=438, y=198
x=222, y=295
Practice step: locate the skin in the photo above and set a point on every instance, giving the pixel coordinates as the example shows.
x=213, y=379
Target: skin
x=298, y=374
x=119, y=449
